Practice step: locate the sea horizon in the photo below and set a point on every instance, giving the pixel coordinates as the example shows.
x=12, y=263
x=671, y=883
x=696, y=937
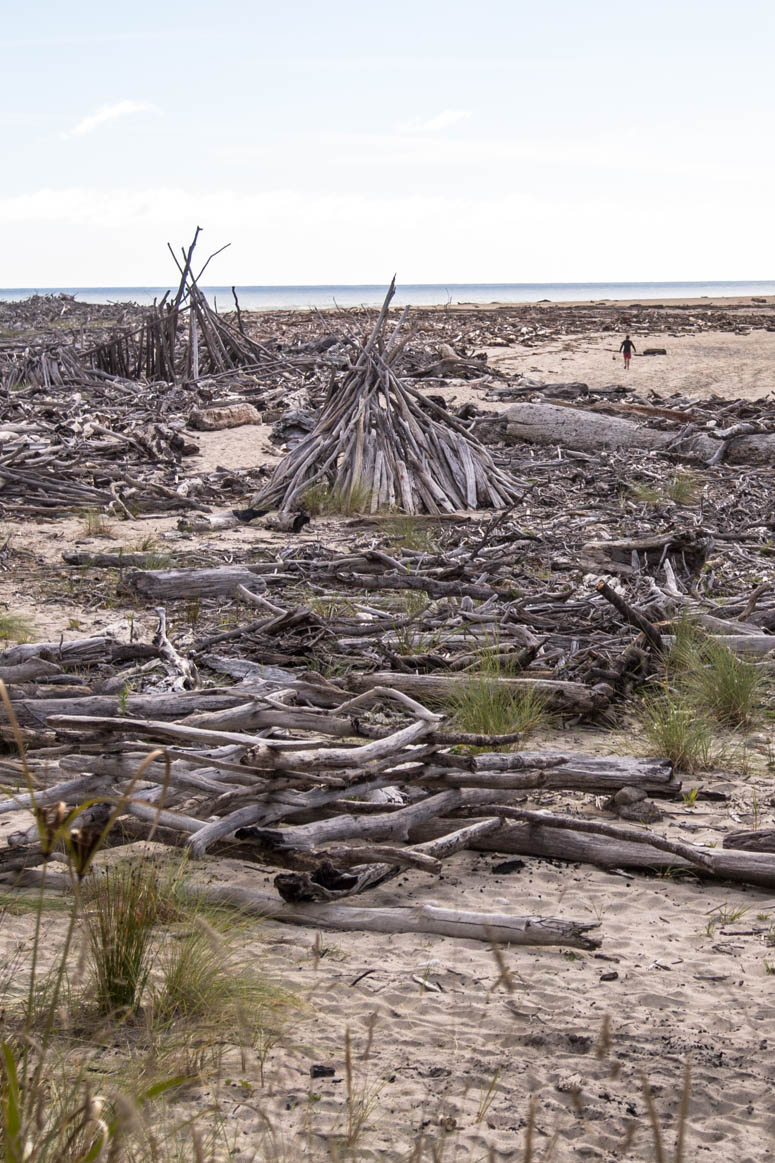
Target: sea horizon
x=306, y=296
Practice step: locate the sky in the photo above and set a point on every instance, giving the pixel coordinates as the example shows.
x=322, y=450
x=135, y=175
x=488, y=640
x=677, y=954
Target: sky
x=485, y=141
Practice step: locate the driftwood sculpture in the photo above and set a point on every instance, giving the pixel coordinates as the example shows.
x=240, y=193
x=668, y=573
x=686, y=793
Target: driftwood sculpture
x=379, y=438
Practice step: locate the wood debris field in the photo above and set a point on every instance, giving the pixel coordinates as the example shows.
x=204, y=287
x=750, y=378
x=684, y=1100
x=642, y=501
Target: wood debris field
x=403, y=627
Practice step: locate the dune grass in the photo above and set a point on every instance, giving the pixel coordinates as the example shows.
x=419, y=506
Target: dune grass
x=327, y=500
x=708, y=691
x=723, y=685
x=15, y=628
x=485, y=706
x=673, y=728
x=122, y=909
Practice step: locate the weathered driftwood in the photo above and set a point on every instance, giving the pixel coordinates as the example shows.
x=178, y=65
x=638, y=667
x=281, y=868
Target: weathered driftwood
x=35, y=713
x=335, y=873
x=160, y=584
x=500, y=928
x=588, y=431
x=565, y=844
x=560, y=770
x=440, y=688
x=760, y=840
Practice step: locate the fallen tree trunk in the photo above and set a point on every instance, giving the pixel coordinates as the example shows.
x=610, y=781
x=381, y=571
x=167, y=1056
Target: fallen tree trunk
x=156, y=584
x=587, y=431
x=491, y=927
x=563, y=844
x=35, y=713
x=761, y=840
x=562, y=771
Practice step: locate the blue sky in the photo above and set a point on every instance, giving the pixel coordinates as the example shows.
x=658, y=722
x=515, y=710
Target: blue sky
x=338, y=142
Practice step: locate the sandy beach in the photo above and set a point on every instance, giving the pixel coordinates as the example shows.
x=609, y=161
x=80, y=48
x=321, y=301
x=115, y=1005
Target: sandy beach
x=729, y=366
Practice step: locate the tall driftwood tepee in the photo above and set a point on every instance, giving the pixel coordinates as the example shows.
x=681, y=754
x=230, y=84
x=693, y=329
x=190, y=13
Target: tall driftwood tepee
x=378, y=437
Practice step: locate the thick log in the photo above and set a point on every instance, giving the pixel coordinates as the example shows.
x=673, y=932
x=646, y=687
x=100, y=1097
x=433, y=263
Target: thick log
x=593, y=773
x=760, y=840
x=688, y=852
x=30, y=671
x=69, y=791
x=756, y=645
x=408, y=581
x=188, y=583
x=79, y=652
x=561, y=844
x=490, y=927
x=36, y=712
x=586, y=431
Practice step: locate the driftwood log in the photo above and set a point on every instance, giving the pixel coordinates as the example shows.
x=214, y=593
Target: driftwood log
x=587, y=431
x=500, y=928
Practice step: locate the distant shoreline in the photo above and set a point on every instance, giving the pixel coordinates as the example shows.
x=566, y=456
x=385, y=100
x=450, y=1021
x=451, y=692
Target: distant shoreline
x=702, y=301
x=471, y=296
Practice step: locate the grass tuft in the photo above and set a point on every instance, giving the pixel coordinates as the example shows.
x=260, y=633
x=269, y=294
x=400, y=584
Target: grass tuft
x=683, y=488
x=96, y=524
x=485, y=706
x=726, y=687
x=323, y=500
x=674, y=729
x=14, y=628
x=409, y=532
x=122, y=909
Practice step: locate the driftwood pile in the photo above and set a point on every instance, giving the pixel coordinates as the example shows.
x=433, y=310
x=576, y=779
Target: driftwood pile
x=343, y=781
x=342, y=792
x=329, y=747
x=377, y=437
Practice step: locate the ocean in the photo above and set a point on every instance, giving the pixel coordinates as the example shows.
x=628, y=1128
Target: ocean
x=415, y=294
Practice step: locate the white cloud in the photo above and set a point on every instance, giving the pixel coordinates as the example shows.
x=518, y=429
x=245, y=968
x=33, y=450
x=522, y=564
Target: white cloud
x=117, y=236
x=443, y=120
x=109, y=113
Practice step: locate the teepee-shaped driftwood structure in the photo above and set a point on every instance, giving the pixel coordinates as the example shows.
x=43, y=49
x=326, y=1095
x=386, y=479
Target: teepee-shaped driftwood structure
x=179, y=339
x=381, y=440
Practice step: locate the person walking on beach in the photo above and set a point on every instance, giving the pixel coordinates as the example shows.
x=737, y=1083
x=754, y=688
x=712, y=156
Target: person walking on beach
x=627, y=347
